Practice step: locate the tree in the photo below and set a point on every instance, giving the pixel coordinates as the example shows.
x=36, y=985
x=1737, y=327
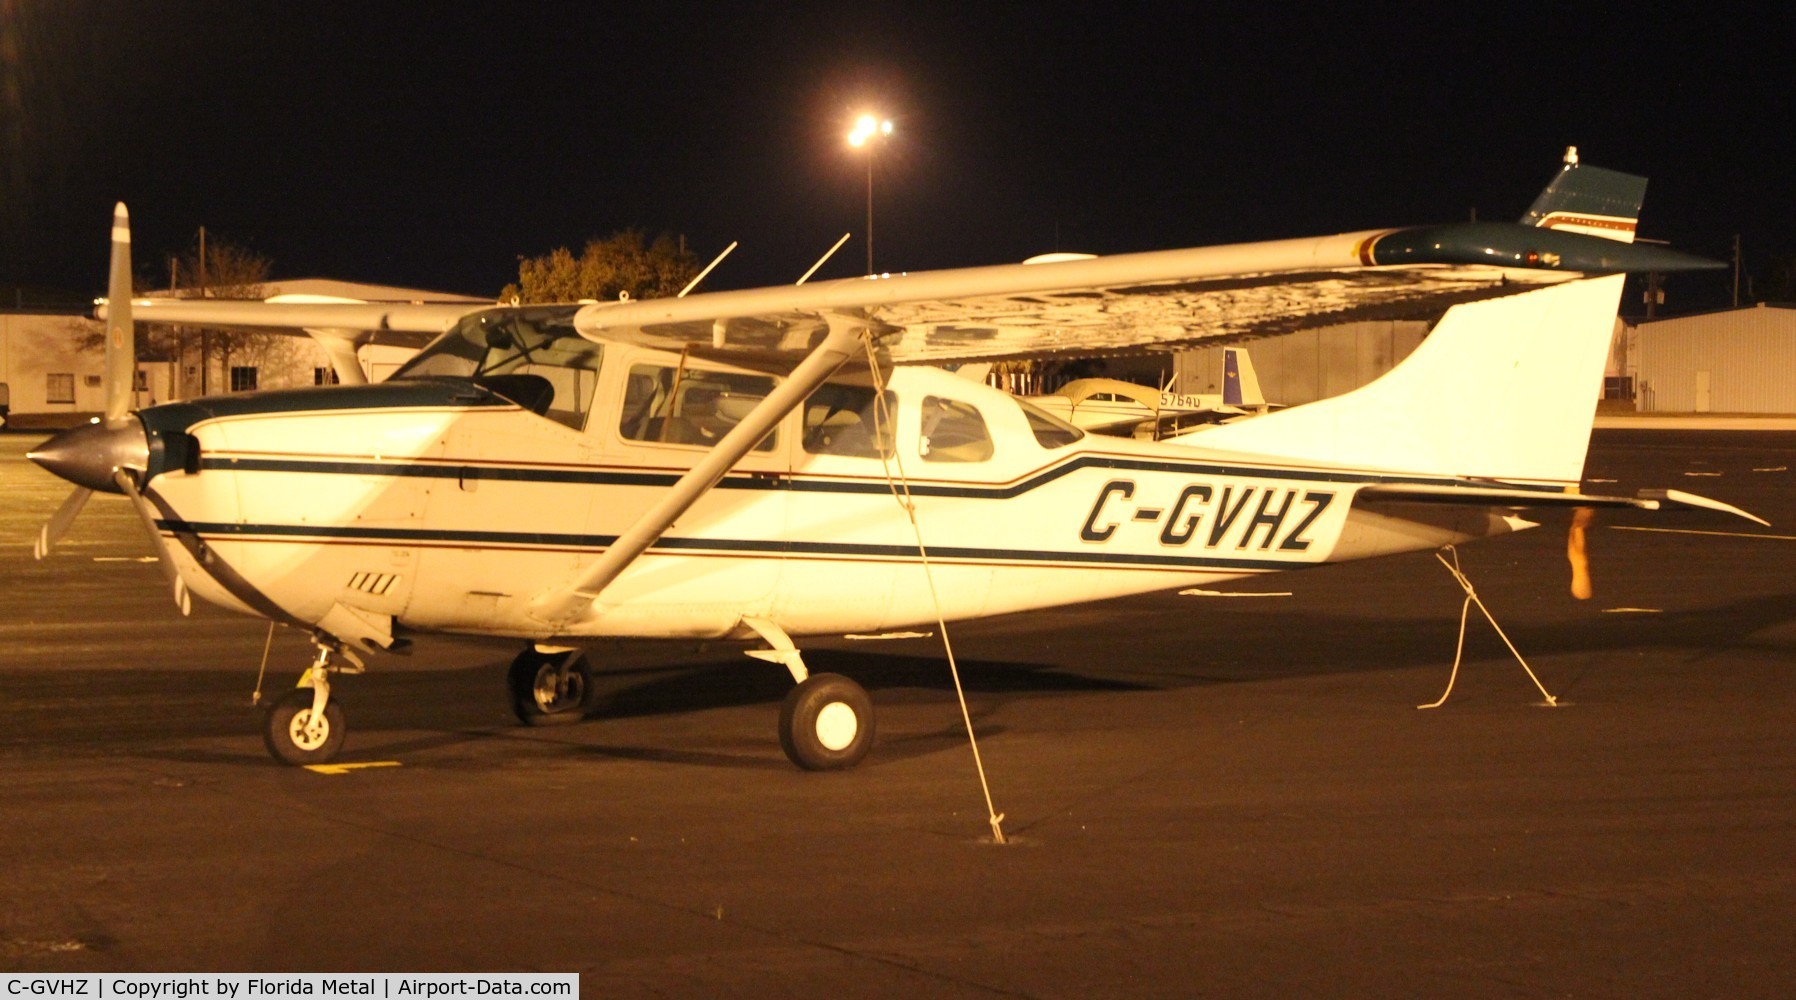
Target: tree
x=213, y=269
x=622, y=263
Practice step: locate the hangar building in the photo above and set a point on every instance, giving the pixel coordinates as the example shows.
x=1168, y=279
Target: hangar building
x=1733, y=361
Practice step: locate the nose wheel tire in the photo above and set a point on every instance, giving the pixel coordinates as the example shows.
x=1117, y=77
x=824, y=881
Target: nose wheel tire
x=826, y=723
x=291, y=736
x=549, y=689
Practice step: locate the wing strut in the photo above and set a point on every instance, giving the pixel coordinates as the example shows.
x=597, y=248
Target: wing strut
x=563, y=605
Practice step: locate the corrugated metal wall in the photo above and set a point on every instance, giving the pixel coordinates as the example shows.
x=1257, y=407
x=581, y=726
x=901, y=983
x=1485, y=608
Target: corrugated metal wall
x=1739, y=361
x=1309, y=365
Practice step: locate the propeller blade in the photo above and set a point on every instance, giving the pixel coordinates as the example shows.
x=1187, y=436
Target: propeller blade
x=1578, y=554
x=59, y=522
x=163, y=557
x=121, y=336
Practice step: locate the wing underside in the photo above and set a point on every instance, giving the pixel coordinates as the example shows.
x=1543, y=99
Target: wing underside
x=1162, y=300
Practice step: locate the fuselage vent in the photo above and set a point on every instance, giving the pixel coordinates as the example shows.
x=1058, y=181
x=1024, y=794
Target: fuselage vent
x=373, y=583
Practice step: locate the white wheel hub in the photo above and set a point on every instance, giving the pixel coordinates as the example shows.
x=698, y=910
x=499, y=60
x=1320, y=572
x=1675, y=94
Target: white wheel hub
x=837, y=725
x=304, y=735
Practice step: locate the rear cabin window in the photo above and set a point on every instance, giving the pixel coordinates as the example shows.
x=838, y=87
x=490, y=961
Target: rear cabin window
x=672, y=405
x=953, y=431
x=849, y=420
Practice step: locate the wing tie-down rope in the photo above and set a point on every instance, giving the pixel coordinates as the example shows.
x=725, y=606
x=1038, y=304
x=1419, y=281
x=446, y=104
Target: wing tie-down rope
x=1471, y=598
x=900, y=487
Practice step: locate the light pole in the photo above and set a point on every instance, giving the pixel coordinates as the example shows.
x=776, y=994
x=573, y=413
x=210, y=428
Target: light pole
x=866, y=129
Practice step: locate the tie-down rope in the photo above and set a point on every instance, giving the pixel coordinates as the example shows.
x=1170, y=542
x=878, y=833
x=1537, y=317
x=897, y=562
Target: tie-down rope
x=1471, y=598
x=900, y=487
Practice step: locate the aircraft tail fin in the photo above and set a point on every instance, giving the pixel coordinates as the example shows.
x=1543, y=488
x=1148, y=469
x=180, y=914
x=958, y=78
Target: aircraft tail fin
x=1503, y=390
x=1240, y=386
x=1589, y=200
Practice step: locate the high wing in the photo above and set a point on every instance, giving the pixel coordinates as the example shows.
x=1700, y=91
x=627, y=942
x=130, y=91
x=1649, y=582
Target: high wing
x=339, y=325
x=1157, y=300
x=287, y=313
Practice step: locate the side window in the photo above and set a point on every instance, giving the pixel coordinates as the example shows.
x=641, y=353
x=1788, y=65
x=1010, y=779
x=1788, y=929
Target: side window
x=849, y=420
x=953, y=431
x=672, y=405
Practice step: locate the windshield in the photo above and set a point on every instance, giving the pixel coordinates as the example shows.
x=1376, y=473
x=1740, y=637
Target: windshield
x=532, y=357
x=1050, y=431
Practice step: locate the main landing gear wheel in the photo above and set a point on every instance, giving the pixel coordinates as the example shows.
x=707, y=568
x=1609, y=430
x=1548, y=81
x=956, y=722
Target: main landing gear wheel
x=551, y=689
x=291, y=736
x=826, y=723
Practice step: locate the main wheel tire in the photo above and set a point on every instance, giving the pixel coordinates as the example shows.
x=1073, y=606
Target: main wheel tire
x=551, y=689
x=284, y=730
x=826, y=723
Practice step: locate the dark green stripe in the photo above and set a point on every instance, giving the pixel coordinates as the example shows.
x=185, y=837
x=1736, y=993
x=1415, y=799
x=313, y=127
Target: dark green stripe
x=747, y=546
x=770, y=481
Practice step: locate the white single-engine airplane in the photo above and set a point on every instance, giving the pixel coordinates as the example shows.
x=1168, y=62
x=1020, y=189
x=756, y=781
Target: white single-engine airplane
x=729, y=465
x=1112, y=406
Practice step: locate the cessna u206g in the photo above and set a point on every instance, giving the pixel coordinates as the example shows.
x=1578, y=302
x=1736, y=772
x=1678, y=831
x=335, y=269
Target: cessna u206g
x=785, y=462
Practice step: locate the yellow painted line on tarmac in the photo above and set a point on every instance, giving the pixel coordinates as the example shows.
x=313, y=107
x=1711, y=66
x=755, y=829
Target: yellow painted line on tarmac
x=1693, y=531
x=346, y=768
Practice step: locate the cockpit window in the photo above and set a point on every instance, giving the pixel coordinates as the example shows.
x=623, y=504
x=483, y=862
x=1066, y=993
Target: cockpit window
x=532, y=357
x=953, y=431
x=1050, y=431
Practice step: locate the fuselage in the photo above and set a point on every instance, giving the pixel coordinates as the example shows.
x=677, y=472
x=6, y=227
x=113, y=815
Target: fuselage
x=437, y=504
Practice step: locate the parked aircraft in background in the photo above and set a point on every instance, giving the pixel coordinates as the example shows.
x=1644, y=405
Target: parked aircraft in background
x=1124, y=409
x=770, y=464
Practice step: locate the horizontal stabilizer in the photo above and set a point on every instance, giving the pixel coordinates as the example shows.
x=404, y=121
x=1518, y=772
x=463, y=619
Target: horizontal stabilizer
x=1496, y=496
x=1689, y=501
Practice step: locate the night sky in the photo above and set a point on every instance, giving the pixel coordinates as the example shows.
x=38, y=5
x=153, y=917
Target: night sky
x=430, y=145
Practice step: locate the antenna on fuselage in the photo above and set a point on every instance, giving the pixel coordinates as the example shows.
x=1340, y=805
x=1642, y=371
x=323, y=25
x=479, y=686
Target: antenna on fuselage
x=820, y=261
x=690, y=285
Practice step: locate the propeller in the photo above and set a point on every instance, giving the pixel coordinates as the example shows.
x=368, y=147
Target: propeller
x=88, y=456
x=59, y=522
x=121, y=334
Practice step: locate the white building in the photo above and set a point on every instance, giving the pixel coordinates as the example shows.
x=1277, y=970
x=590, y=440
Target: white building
x=51, y=363
x=45, y=365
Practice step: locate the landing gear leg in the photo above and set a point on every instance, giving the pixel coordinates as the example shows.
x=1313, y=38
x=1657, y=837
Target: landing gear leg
x=826, y=722
x=551, y=688
x=305, y=726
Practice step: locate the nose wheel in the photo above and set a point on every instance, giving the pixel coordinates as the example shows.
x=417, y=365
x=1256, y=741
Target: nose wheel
x=295, y=733
x=304, y=726
x=551, y=689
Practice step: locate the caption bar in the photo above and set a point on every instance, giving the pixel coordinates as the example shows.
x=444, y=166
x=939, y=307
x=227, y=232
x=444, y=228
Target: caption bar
x=256, y=986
